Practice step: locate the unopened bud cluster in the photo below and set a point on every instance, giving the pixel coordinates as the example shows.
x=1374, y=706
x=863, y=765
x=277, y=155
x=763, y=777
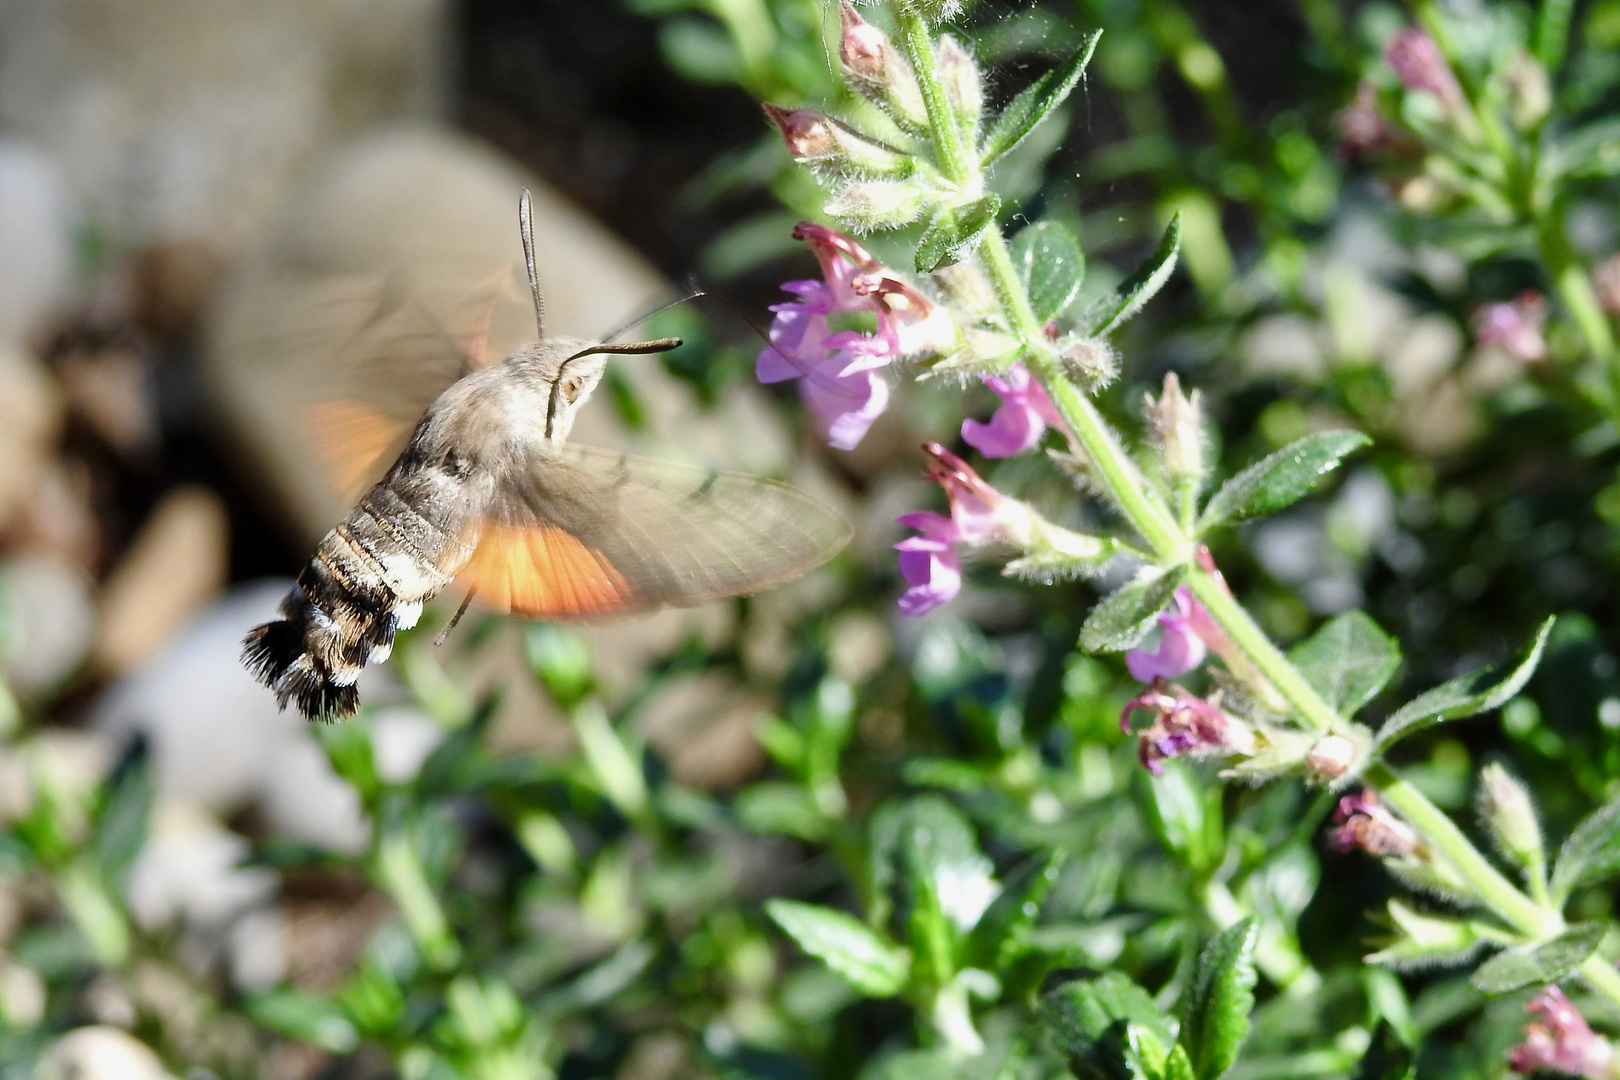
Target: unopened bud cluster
x=883, y=179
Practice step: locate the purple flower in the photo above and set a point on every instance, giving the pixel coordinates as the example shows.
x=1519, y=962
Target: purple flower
x=1187, y=632
x=1018, y=424
x=1559, y=1040
x=929, y=562
x=1364, y=823
x=1184, y=725
x=1363, y=128
x=1419, y=64
x=1515, y=325
x=841, y=375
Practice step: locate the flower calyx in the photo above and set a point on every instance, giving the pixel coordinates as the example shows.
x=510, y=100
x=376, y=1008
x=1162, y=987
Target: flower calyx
x=875, y=68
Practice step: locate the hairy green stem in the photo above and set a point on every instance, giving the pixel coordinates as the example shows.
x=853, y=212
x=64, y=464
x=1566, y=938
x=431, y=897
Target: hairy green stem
x=1494, y=890
x=953, y=158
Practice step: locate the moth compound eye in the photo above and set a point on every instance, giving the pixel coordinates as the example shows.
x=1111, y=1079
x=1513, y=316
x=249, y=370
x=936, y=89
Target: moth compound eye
x=571, y=389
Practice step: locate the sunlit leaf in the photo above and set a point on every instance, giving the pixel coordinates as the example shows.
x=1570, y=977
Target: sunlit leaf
x=954, y=231
x=1592, y=852
x=1036, y=102
x=1466, y=695
x=1348, y=660
x=1215, y=1012
x=1124, y=617
x=843, y=943
x=1131, y=296
x=1280, y=479
x=1532, y=965
x=1050, y=265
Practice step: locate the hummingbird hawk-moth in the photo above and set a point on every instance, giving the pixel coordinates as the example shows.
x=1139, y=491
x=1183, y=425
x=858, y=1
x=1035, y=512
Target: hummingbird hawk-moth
x=488, y=493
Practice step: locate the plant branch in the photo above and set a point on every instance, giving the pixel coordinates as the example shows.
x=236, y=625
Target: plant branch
x=953, y=158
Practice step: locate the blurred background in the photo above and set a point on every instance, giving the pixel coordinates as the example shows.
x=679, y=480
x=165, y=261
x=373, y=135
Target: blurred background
x=545, y=849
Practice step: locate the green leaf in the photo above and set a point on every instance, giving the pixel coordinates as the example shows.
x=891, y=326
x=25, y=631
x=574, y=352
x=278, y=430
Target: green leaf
x=1215, y=1014
x=124, y=814
x=1347, y=661
x=1131, y=296
x=1099, y=1023
x=1466, y=695
x=1548, y=961
x=1013, y=911
x=1037, y=101
x=1280, y=479
x=843, y=943
x=1050, y=265
x=954, y=231
x=305, y=1018
x=1125, y=616
x=1387, y=1058
x=1591, y=853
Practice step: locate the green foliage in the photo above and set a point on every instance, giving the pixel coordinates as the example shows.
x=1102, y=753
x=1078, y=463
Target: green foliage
x=1348, y=660
x=845, y=944
x=1126, y=615
x=1466, y=695
x=1215, y=1011
x=1541, y=963
x=1051, y=267
x=953, y=231
x=1036, y=102
x=1280, y=479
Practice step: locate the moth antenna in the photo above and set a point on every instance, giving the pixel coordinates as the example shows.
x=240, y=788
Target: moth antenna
x=526, y=224
x=466, y=600
x=741, y=315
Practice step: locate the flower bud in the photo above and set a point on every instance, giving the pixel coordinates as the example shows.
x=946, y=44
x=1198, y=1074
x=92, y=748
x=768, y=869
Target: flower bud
x=1177, y=430
x=868, y=205
x=1365, y=824
x=1330, y=757
x=964, y=88
x=1505, y=805
x=817, y=139
x=1090, y=362
x=1419, y=64
x=1528, y=91
x=876, y=69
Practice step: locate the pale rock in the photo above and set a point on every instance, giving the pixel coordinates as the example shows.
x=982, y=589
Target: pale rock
x=47, y=621
x=182, y=119
x=256, y=949
x=36, y=237
x=703, y=725
x=402, y=738
x=304, y=800
x=211, y=727
x=22, y=995
x=858, y=646
x=1283, y=345
x=1426, y=349
x=30, y=421
x=99, y=1052
x=175, y=565
x=189, y=872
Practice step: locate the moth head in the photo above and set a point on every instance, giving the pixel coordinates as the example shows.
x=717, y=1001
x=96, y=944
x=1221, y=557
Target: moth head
x=574, y=368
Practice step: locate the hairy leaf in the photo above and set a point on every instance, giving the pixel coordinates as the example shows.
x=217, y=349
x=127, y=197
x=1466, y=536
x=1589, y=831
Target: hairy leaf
x=1347, y=661
x=953, y=232
x=1050, y=265
x=1012, y=912
x=1592, y=851
x=1215, y=1013
x=1548, y=961
x=1463, y=696
x=1099, y=1024
x=1131, y=296
x=1036, y=102
x=1280, y=479
x=1125, y=616
x=843, y=943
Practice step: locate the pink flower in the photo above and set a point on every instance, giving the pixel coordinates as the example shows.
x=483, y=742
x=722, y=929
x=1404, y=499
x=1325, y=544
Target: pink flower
x=1188, y=631
x=1515, y=325
x=1019, y=423
x=1559, y=1040
x=1363, y=128
x=840, y=375
x=1419, y=65
x=1365, y=823
x=929, y=562
x=1184, y=725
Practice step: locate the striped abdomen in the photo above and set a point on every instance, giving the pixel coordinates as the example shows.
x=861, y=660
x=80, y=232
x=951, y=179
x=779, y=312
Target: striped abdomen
x=405, y=541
